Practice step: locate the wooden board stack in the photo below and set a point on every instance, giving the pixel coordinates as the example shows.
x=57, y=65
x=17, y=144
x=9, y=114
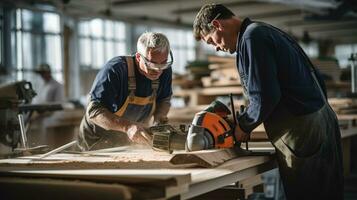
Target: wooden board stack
x=224, y=72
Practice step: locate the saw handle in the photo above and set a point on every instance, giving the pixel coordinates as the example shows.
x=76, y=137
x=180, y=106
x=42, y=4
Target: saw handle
x=241, y=110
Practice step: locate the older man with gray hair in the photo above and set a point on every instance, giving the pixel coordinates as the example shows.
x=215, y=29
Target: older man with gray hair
x=126, y=93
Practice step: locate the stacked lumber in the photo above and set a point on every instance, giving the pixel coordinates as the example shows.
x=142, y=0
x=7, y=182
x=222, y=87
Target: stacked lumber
x=223, y=72
x=183, y=82
x=343, y=105
x=329, y=68
x=192, y=79
x=331, y=73
x=219, y=79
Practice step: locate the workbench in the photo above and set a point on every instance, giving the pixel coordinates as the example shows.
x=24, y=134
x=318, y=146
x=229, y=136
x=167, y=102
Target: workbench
x=19, y=176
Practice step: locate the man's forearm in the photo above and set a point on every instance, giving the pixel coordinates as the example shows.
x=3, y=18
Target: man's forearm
x=102, y=117
x=161, y=111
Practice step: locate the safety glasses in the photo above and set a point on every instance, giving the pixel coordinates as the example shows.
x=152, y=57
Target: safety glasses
x=157, y=67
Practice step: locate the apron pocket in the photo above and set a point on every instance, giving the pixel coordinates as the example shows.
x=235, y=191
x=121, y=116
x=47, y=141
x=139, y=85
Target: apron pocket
x=291, y=158
x=306, y=135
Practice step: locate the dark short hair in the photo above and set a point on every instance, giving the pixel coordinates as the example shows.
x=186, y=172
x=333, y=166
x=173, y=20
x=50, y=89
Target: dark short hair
x=208, y=12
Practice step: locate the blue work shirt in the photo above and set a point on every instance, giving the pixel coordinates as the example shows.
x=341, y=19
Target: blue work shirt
x=275, y=75
x=110, y=86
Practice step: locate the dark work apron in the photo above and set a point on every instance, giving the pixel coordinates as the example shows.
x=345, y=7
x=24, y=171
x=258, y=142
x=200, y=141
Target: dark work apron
x=137, y=109
x=308, y=150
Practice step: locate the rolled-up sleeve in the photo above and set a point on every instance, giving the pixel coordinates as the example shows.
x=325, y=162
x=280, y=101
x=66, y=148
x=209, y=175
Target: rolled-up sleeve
x=262, y=84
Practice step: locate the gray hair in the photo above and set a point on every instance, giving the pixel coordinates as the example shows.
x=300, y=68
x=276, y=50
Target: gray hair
x=152, y=41
x=208, y=13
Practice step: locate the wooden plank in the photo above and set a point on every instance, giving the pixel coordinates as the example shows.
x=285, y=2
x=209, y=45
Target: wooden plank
x=250, y=182
x=206, y=158
x=158, y=177
x=220, y=59
x=227, y=173
x=130, y=158
x=222, y=82
x=221, y=91
x=228, y=192
x=44, y=188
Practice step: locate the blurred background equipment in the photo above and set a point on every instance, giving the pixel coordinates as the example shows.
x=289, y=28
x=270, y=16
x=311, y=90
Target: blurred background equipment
x=12, y=96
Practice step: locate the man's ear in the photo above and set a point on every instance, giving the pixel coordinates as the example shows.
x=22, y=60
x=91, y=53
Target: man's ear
x=216, y=24
x=137, y=56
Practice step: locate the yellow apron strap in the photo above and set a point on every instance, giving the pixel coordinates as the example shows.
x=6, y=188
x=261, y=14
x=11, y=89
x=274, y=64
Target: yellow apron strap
x=131, y=74
x=131, y=85
x=154, y=86
x=122, y=109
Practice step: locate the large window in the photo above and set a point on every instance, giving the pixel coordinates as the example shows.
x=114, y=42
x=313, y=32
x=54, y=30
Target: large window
x=99, y=41
x=182, y=46
x=343, y=53
x=36, y=38
x=311, y=49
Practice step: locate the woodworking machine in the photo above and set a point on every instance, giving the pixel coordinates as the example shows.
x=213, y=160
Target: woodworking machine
x=15, y=111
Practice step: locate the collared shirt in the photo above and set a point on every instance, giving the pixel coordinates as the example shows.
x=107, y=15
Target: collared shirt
x=275, y=74
x=110, y=86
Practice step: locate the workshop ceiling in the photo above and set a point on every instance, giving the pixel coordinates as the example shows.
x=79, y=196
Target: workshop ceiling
x=306, y=19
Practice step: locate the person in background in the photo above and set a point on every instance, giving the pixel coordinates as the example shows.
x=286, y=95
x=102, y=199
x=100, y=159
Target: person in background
x=52, y=91
x=287, y=94
x=126, y=93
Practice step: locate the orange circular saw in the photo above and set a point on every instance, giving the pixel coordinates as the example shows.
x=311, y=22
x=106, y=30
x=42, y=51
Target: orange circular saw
x=210, y=129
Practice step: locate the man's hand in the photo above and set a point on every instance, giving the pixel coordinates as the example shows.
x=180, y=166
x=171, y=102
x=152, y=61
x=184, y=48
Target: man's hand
x=139, y=135
x=240, y=135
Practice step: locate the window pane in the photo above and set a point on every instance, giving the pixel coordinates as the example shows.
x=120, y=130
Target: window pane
x=120, y=49
x=119, y=30
x=343, y=53
x=18, y=19
x=85, y=52
x=19, y=64
x=191, y=55
x=58, y=76
x=180, y=36
x=83, y=28
x=14, y=49
x=28, y=49
x=108, y=29
x=97, y=27
x=27, y=19
x=109, y=50
x=172, y=36
x=98, y=55
x=37, y=50
x=54, y=55
x=51, y=22
x=176, y=64
x=190, y=39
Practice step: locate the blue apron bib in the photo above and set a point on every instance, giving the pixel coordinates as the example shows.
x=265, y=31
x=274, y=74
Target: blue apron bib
x=138, y=109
